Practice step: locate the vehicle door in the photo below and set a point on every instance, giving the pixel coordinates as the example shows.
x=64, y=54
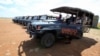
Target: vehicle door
x=71, y=29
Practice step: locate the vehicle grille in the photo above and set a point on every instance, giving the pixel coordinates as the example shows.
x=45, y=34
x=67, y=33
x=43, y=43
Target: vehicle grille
x=31, y=28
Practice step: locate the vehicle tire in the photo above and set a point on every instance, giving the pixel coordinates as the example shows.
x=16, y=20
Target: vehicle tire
x=80, y=35
x=47, y=40
x=25, y=24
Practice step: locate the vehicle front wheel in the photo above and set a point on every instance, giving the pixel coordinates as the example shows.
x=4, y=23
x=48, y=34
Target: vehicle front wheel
x=47, y=40
x=79, y=36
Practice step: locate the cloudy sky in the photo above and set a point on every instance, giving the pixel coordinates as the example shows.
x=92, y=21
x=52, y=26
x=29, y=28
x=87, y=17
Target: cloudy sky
x=11, y=8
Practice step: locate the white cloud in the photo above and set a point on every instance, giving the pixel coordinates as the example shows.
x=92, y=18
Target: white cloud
x=90, y=5
x=2, y=8
x=41, y=7
x=9, y=12
x=6, y=2
x=14, y=10
x=22, y=3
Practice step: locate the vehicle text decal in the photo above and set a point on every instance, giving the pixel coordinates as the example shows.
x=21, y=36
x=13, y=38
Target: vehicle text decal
x=69, y=31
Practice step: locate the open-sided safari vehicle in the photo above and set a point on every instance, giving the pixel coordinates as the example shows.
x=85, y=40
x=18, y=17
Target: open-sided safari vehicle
x=47, y=31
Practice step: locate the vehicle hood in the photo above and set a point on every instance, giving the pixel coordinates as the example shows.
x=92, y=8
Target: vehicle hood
x=43, y=22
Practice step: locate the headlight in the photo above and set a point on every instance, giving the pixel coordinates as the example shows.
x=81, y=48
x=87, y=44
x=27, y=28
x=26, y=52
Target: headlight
x=38, y=27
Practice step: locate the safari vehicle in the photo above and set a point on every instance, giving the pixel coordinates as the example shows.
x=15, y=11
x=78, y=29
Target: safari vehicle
x=47, y=31
x=28, y=19
x=39, y=18
x=14, y=19
x=19, y=19
x=24, y=20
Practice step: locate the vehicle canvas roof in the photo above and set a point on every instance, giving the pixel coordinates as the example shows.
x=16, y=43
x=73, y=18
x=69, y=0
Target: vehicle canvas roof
x=71, y=10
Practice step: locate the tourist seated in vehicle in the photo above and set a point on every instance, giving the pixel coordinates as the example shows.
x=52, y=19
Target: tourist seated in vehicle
x=70, y=20
x=60, y=16
x=78, y=20
x=85, y=19
x=88, y=21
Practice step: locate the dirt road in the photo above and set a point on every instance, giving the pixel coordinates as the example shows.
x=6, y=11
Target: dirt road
x=14, y=41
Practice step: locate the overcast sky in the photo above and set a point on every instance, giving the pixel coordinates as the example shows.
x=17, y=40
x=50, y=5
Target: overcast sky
x=11, y=8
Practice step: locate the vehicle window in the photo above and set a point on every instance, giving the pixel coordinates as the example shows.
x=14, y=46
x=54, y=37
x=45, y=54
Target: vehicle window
x=22, y=17
x=30, y=18
x=43, y=17
x=35, y=17
x=27, y=17
x=52, y=18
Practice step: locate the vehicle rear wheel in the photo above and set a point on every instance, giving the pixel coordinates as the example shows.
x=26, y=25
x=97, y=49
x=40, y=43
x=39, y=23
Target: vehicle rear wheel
x=47, y=40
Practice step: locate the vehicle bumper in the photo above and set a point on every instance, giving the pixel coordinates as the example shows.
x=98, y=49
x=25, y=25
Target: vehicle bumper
x=34, y=34
x=31, y=33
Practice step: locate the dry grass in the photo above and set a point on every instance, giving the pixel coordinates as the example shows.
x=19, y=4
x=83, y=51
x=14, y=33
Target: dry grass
x=99, y=25
x=3, y=18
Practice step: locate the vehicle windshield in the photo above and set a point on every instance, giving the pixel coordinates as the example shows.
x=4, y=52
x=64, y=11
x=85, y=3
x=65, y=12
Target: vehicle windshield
x=36, y=17
x=27, y=18
x=43, y=17
x=30, y=18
